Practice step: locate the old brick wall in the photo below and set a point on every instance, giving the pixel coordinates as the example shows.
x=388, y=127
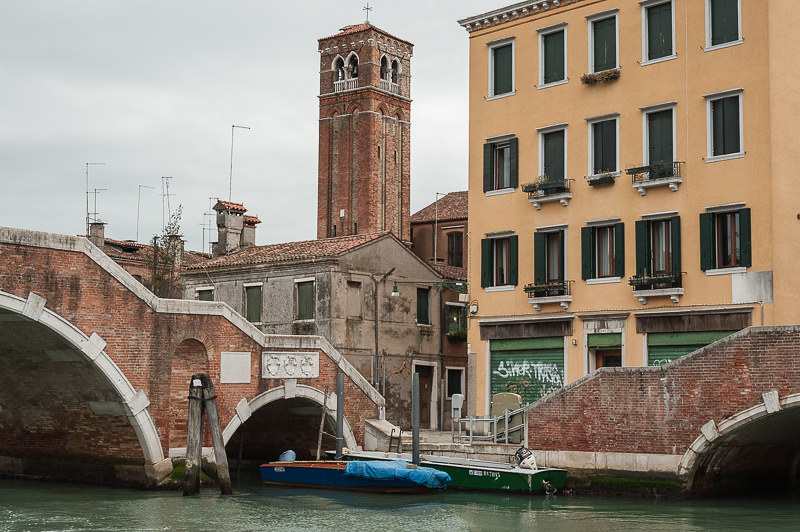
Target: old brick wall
x=661, y=410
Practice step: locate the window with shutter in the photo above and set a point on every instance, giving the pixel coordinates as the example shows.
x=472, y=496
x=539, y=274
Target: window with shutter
x=502, y=69
x=723, y=21
x=513, y=259
x=539, y=258
x=553, y=155
x=604, y=146
x=455, y=249
x=725, y=126
x=553, y=57
x=253, y=303
x=587, y=253
x=604, y=251
x=604, y=44
x=643, y=248
x=708, y=244
x=660, y=143
x=554, y=256
x=305, y=300
x=658, y=30
x=487, y=263
x=423, y=306
x=619, y=250
x=205, y=295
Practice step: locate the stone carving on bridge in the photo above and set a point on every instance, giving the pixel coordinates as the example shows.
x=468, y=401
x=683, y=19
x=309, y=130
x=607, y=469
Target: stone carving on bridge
x=290, y=365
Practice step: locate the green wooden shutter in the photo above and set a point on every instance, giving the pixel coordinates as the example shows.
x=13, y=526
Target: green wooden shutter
x=708, y=259
x=659, y=31
x=619, y=250
x=423, y=306
x=562, y=251
x=305, y=300
x=513, y=260
x=659, y=134
x=553, y=57
x=605, y=44
x=642, y=247
x=745, y=243
x=539, y=258
x=503, y=69
x=487, y=263
x=514, y=149
x=675, y=226
x=253, y=303
x=554, y=155
x=587, y=253
x=605, y=146
x=725, y=118
x=724, y=21
x=488, y=166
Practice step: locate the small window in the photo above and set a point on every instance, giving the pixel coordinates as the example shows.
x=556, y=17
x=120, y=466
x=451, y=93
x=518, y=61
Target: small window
x=206, y=295
x=603, y=44
x=501, y=69
x=658, y=253
x=423, y=306
x=500, y=165
x=395, y=71
x=455, y=249
x=455, y=381
x=252, y=302
x=603, y=144
x=499, y=261
x=603, y=251
x=725, y=129
x=553, y=56
x=553, y=154
x=660, y=142
x=339, y=67
x=456, y=316
x=658, y=31
x=305, y=300
x=353, y=299
x=384, y=68
x=723, y=22
x=661, y=247
x=549, y=255
x=725, y=240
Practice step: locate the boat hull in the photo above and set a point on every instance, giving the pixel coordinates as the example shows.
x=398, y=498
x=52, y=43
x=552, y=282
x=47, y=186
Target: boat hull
x=330, y=475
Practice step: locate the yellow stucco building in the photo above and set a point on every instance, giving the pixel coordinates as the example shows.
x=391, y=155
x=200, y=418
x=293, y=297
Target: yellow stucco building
x=633, y=183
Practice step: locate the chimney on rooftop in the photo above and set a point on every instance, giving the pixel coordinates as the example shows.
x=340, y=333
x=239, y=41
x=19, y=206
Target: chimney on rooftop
x=249, y=231
x=230, y=222
x=97, y=233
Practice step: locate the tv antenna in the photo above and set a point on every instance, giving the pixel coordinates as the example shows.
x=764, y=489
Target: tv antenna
x=86, y=167
x=166, y=210
x=139, y=207
x=234, y=127
x=95, y=214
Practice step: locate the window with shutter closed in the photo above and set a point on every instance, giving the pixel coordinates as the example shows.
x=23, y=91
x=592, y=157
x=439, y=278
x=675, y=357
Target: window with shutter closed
x=604, y=34
x=554, y=151
x=503, y=69
x=726, y=134
x=553, y=56
x=604, y=146
x=660, y=144
x=305, y=300
x=253, y=303
x=659, y=30
x=724, y=21
x=423, y=306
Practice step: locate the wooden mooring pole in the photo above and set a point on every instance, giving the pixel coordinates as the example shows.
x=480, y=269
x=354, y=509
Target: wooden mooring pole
x=339, y=415
x=203, y=399
x=415, y=418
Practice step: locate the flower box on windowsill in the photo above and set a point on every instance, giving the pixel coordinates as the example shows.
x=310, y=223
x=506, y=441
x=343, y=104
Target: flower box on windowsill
x=546, y=190
x=599, y=180
x=552, y=292
x=664, y=174
x=659, y=285
x=606, y=76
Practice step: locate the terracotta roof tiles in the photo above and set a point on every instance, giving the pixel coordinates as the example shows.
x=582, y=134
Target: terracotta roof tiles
x=452, y=206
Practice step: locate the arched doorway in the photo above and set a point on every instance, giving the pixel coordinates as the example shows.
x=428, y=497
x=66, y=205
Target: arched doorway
x=66, y=409
x=754, y=452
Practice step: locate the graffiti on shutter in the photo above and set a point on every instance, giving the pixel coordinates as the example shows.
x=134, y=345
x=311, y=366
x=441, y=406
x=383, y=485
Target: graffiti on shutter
x=531, y=373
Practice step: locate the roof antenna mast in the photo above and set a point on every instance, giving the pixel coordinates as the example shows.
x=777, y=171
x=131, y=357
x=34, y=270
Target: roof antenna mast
x=367, y=8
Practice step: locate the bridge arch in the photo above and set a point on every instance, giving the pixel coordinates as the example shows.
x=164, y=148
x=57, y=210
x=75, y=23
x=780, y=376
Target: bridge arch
x=754, y=450
x=38, y=339
x=289, y=394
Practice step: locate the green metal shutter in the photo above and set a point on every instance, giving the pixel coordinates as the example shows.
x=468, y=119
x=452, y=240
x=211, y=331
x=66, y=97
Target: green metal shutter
x=587, y=253
x=605, y=44
x=487, y=263
x=724, y=21
x=642, y=247
x=513, y=260
x=531, y=367
x=514, y=149
x=619, y=250
x=745, y=242
x=602, y=340
x=539, y=264
x=666, y=347
x=554, y=155
x=708, y=259
x=659, y=31
x=488, y=166
x=675, y=226
x=503, y=69
x=553, y=57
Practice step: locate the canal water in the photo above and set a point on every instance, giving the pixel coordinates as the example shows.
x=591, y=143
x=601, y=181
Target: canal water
x=26, y=505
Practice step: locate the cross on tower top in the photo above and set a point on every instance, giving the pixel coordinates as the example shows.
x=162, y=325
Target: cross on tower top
x=367, y=8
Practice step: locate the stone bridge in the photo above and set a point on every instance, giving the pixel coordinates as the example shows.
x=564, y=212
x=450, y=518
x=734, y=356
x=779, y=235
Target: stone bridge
x=723, y=419
x=94, y=371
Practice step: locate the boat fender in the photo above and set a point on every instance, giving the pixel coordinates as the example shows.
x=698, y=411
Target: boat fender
x=525, y=458
x=287, y=456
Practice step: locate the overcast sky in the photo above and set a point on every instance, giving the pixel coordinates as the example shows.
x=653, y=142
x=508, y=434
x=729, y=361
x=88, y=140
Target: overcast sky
x=151, y=88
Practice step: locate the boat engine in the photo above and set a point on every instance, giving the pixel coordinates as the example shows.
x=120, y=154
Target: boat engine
x=525, y=458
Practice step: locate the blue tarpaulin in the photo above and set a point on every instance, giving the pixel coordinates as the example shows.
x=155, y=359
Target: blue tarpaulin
x=398, y=469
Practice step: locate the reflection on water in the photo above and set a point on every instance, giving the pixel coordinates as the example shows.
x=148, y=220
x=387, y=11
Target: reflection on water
x=44, y=506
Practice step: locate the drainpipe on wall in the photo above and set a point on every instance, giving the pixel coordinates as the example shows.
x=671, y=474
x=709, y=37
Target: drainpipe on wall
x=376, y=282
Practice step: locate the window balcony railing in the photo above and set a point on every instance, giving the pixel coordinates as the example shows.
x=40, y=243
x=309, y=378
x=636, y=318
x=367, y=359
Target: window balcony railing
x=549, y=292
x=389, y=86
x=345, y=85
x=657, y=285
x=546, y=189
x=662, y=174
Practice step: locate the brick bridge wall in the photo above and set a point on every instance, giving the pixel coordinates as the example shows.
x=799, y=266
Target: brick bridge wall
x=645, y=419
x=155, y=343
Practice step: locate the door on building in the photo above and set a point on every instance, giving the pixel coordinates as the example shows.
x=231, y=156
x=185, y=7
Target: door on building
x=425, y=394
x=663, y=348
x=531, y=367
x=605, y=350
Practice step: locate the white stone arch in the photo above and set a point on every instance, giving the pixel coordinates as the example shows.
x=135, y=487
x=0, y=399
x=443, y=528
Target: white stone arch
x=93, y=347
x=246, y=408
x=711, y=432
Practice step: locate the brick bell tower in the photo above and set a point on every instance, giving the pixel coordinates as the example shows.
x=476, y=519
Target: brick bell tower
x=364, y=133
